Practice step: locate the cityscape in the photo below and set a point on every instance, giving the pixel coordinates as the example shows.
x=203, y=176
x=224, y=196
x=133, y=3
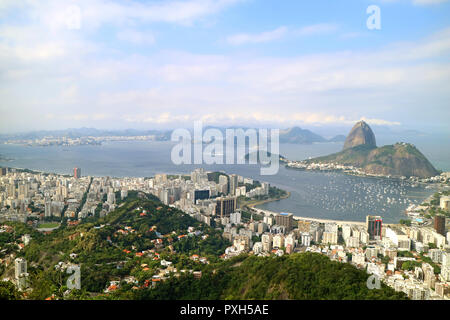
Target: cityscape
x=220, y=158
x=410, y=257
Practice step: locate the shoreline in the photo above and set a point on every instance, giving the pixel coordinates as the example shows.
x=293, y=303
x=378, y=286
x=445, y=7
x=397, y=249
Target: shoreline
x=358, y=175
x=259, y=202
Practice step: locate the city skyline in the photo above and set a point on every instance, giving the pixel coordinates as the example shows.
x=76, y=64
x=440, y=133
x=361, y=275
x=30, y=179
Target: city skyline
x=157, y=65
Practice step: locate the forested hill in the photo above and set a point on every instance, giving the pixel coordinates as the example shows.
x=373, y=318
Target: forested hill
x=132, y=244
x=300, y=276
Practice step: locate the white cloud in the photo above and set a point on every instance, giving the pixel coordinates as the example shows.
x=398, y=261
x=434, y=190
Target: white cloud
x=244, y=118
x=136, y=37
x=281, y=32
x=267, y=36
x=315, y=29
x=66, y=75
x=428, y=2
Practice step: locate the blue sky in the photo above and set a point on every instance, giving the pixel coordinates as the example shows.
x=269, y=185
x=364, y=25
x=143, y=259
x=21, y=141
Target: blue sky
x=164, y=64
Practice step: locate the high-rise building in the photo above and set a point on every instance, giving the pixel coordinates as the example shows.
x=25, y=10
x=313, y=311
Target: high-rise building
x=266, y=240
x=3, y=171
x=233, y=184
x=200, y=195
x=111, y=198
x=265, y=186
x=20, y=267
x=374, y=225
x=77, y=173
x=439, y=224
x=306, y=239
x=225, y=206
x=286, y=220
x=223, y=183
x=429, y=278
x=48, y=208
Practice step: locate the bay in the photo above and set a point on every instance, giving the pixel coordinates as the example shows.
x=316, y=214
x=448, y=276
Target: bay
x=313, y=194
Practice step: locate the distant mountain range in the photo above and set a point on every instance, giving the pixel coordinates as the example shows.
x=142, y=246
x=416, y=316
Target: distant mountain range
x=85, y=132
x=304, y=136
x=295, y=135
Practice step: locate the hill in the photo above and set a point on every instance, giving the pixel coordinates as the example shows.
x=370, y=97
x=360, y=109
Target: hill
x=141, y=231
x=400, y=159
x=300, y=136
x=301, y=276
x=360, y=151
x=132, y=242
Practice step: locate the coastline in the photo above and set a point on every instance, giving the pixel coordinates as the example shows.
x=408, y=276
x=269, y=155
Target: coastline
x=259, y=202
x=364, y=175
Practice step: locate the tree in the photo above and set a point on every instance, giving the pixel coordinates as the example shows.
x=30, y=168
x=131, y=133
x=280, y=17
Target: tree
x=8, y=291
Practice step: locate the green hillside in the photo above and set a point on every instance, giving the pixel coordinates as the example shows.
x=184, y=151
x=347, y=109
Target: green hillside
x=133, y=240
x=303, y=276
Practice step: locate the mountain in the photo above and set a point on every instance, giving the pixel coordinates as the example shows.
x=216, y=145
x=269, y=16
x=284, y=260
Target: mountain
x=400, y=159
x=361, y=134
x=338, y=138
x=300, y=136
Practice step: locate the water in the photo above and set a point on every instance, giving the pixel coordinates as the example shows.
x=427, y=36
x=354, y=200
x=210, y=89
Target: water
x=313, y=194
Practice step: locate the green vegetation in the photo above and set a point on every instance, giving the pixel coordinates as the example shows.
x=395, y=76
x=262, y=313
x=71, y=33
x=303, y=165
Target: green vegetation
x=428, y=260
x=214, y=176
x=105, y=254
x=297, y=276
x=410, y=265
x=134, y=239
x=406, y=222
x=8, y=291
x=48, y=225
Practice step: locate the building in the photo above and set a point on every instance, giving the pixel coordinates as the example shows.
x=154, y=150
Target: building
x=48, y=208
x=429, y=278
x=21, y=275
x=223, y=184
x=266, y=240
x=20, y=267
x=278, y=241
x=77, y=173
x=374, y=227
x=235, y=218
x=285, y=219
x=329, y=237
x=306, y=239
x=444, y=203
x=200, y=195
x=233, y=184
x=352, y=242
x=257, y=248
x=439, y=224
x=225, y=206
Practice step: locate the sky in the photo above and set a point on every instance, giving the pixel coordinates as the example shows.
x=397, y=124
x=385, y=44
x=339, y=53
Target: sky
x=113, y=64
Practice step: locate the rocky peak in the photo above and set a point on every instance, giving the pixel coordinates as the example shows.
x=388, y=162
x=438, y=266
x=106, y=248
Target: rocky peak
x=361, y=134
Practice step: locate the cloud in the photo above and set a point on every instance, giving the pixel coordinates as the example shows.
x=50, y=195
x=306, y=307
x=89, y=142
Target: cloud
x=94, y=13
x=316, y=29
x=244, y=118
x=428, y=2
x=267, y=36
x=136, y=37
x=279, y=33
x=417, y=2
x=73, y=75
